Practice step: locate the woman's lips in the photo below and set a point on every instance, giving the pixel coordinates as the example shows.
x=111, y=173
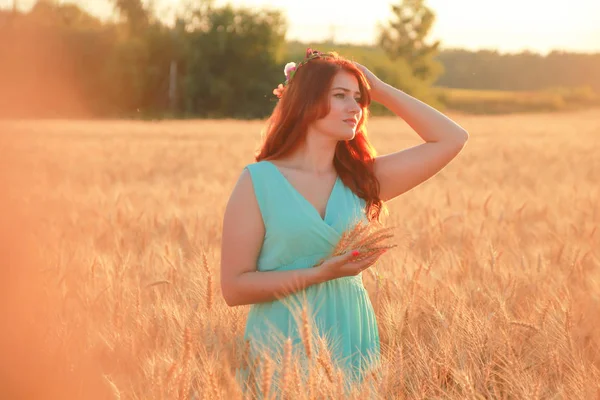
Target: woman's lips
x=350, y=122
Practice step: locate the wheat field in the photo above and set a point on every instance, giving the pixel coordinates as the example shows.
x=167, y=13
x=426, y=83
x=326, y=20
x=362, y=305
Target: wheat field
x=110, y=235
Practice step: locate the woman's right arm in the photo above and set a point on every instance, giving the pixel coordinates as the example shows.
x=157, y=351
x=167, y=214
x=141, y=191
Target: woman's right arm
x=243, y=234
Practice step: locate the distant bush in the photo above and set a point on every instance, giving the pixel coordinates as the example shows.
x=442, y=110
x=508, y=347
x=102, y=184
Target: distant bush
x=576, y=96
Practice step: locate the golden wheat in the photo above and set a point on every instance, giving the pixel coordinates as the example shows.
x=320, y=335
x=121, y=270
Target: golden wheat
x=489, y=293
x=286, y=368
x=366, y=237
x=267, y=375
x=324, y=359
x=306, y=332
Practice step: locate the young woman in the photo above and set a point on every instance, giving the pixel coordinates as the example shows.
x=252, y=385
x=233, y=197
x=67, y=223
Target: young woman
x=315, y=175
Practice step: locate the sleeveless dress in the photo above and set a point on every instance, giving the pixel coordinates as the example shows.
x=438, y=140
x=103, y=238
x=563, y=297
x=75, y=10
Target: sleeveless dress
x=340, y=310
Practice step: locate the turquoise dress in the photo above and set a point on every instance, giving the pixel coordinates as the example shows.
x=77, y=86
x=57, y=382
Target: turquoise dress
x=297, y=237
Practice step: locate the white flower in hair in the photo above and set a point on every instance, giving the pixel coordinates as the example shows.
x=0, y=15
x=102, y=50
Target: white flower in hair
x=289, y=68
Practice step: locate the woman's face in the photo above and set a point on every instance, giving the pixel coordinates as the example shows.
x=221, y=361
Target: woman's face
x=344, y=108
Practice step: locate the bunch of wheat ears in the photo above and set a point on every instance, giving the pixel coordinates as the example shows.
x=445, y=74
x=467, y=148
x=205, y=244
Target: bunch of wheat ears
x=366, y=237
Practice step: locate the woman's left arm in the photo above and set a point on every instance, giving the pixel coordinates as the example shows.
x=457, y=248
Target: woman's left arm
x=401, y=171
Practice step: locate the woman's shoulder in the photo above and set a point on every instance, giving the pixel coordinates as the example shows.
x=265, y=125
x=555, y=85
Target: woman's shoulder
x=253, y=169
x=256, y=173
x=255, y=165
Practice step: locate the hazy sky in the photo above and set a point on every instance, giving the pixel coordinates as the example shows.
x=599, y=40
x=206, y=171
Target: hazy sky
x=508, y=26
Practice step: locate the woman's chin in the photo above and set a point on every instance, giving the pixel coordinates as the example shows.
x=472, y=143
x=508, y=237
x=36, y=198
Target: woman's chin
x=346, y=136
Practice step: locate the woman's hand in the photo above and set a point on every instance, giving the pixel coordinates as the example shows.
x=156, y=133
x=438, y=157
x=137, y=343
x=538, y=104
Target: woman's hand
x=347, y=264
x=373, y=80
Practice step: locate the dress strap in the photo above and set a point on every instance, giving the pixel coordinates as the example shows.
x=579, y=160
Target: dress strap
x=263, y=188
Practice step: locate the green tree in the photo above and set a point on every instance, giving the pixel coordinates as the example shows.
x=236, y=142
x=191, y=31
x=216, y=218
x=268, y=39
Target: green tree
x=231, y=62
x=134, y=12
x=404, y=42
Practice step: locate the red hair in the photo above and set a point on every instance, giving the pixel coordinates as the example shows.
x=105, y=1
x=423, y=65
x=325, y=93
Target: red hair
x=304, y=100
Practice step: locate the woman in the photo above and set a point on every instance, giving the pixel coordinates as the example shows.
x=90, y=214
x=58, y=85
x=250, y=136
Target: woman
x=317, y=174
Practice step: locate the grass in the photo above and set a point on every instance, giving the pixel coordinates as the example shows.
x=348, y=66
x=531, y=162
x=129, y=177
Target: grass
x=111, y=245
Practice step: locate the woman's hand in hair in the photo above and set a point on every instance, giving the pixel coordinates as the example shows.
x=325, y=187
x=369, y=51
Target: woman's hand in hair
x=373, y=80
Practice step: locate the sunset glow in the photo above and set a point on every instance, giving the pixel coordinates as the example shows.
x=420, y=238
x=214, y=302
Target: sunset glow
x=509, y=26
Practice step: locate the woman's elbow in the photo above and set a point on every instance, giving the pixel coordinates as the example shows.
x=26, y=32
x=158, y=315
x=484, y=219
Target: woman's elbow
x=228, y=295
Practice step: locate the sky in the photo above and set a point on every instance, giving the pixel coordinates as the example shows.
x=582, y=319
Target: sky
x=509, y=26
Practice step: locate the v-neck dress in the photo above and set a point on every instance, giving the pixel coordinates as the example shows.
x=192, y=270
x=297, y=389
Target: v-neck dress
x=340, y=310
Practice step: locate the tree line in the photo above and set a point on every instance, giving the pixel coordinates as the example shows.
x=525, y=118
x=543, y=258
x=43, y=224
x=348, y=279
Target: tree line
x=492, y=70
x=213, y=62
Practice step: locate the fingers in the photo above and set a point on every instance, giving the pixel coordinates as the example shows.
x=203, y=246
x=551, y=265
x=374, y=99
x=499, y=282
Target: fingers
x=357, y=264
x=368, y=255
x=369, y=261
x=349, y=255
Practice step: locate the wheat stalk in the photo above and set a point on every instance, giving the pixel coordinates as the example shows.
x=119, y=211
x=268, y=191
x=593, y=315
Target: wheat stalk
x=366, y=237
x=185, y=377
x=296, y=381
x=312, y=385
x=340, y=383
x=214, y=384
x=524, y=324
x=349, y=236
x=324, y=359
x=209, y=296
x=286, y=369
x=171, y=373
x=306, y=332
x=267, y=375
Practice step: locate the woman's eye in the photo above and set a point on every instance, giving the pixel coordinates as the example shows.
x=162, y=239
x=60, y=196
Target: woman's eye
x=342, y=95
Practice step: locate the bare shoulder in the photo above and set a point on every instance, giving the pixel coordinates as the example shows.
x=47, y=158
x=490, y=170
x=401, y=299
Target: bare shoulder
x=242, y=205
x=243, y=232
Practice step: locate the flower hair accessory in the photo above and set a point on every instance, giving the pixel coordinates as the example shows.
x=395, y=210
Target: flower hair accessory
x=290, y=69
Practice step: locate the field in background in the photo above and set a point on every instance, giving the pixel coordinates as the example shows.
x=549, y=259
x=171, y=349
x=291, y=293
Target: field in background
x=501, y=102
x=491, y=293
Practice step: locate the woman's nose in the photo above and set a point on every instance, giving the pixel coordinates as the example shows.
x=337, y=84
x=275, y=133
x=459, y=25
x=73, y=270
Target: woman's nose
x=354, y=106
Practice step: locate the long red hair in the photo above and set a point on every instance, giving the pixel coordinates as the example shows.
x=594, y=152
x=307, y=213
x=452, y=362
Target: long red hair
x=304, y=100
